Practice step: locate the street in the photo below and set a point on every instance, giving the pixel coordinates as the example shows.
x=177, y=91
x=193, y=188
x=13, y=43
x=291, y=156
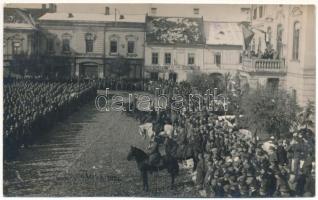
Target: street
x=86, y=156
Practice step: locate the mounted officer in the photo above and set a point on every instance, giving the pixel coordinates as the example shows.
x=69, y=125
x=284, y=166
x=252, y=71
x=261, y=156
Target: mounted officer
x=153, y=151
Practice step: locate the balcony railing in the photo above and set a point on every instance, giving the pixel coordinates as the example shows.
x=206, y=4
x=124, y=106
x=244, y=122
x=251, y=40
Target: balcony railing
x=257, y=65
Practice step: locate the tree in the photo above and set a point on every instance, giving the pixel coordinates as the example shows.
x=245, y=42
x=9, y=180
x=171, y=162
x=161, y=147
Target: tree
x=203, y=82
x=306, y=117
x=270, y=111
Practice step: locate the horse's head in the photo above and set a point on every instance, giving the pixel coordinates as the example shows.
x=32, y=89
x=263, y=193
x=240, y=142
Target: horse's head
x=137, y=154
x=131, y=153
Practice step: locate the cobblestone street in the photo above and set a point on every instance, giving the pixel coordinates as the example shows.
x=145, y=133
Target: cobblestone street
x=86, y=156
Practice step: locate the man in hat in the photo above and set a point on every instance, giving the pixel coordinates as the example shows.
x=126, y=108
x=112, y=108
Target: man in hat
x=281, y=153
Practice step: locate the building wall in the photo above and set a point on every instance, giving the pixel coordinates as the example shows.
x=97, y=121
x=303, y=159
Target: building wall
x=179, y=59
x=301, y=72
x=123, y=35
x=300, y=76
x=179, y=55
x=100, y=56
x=26, y=39
x=77, y=40
x=230, y=59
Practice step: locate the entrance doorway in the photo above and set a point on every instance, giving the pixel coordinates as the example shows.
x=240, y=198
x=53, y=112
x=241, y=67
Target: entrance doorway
x=88, y=70
x=272, y=83
x=173, y=76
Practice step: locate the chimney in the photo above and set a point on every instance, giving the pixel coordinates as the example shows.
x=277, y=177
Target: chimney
x=106, y=10
x=70, y=15
x=121, y=17
x=52, y=8
x=153, y=11
x=196, y=11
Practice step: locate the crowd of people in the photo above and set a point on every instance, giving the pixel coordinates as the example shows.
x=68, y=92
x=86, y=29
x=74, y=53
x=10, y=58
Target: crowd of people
x=233, y=164
x=33, y=105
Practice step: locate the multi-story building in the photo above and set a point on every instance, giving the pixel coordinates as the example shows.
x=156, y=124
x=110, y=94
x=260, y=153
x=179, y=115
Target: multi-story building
x=223, y=47
x=19, y=40
x=282, y=52
x=93, y=45
x=174, y=47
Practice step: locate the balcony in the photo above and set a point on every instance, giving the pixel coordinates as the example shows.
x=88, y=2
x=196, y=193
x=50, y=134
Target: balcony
x=264, y=66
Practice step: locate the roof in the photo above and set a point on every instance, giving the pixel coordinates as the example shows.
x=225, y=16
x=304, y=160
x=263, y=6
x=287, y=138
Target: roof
x=91, y=17
x=36, y=12
x=174, y=30
x=223, y=33
x=15, y=18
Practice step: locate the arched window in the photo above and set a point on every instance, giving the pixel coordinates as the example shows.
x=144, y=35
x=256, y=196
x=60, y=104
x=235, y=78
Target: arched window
x=259, y=47
x=253, y=44
x=269, y=34
x=296, y=35
x=89, y=40
x=16, y=47
x=66, y=42
x=279, y=43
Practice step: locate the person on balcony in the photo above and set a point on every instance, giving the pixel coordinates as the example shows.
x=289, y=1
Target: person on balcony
x=269, y=51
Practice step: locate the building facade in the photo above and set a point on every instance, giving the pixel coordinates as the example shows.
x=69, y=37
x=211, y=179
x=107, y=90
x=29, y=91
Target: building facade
x=283, y=48
x=223, y=47
x=93, y=45
x=174, y=47
x=19, y=40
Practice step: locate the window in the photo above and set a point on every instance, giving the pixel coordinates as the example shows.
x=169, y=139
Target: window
x=255, y=13
x=113, y=46
x=259, y=47
x=66, y=42
x=16, y=47
x=191, y=58
x=253, y=44
x=155, y=58
x=89, y=40
x=50, y=44
x=260, y=11
x=217, y=59
x=296, y=34
x=167, y=58
x=273, y=83
x=279, y=44
x=196, y=11
x=66, y=45
x=240, y=58
x=153, y=11
x=269, y=34
x=131, y=46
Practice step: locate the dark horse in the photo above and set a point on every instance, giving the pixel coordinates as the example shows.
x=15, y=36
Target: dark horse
x=183, y=152
x=144, y=167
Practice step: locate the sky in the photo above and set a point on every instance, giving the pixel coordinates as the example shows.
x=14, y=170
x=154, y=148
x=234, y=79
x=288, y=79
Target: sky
x=209, y=11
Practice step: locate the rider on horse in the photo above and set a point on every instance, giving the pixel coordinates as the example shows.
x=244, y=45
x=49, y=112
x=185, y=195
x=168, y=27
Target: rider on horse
x=153, y=151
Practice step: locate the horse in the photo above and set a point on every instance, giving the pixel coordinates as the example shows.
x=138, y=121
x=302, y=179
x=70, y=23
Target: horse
x=182, y=152
x=141, y=158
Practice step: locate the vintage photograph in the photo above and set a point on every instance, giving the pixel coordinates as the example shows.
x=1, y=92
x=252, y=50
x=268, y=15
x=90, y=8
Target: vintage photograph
x=159, y=100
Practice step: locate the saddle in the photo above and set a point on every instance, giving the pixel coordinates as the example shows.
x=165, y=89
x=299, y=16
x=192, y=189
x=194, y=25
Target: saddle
x=156, y=162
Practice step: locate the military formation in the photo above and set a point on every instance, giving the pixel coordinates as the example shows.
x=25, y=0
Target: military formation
x=31, y=106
